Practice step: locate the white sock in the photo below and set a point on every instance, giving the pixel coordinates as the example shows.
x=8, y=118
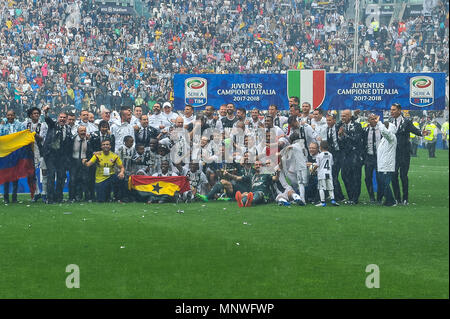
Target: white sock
x=331, y=193
x=322, y=195
x=301, y=190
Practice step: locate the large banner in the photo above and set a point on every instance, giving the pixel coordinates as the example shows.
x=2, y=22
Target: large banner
x=336, y=91
x=244, y=90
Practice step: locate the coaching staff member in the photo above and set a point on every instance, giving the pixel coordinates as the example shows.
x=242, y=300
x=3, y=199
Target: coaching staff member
x=350, y=139
x=56, y=149
x=403, y=154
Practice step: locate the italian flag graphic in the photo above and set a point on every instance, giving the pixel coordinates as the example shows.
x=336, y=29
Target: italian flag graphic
x=307, y=85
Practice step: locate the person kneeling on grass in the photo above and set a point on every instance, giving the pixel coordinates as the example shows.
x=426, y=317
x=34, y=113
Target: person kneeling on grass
x=105, y=176
x=261, y=188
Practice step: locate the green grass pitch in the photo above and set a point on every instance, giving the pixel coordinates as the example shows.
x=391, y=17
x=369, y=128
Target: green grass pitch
x=217, y=250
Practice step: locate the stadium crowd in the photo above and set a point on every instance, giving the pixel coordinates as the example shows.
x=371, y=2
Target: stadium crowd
x=96, y=89
x=70, y=55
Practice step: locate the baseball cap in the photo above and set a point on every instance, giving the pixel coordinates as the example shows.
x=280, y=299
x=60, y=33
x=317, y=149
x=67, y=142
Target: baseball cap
x=167, y=104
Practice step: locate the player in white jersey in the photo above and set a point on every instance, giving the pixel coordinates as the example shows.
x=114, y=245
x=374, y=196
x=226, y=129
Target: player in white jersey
x=293, y=176
x=324, y=165
x=197, y=181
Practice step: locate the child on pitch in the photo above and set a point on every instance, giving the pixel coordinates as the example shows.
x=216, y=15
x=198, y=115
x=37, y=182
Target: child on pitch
x=323, y=165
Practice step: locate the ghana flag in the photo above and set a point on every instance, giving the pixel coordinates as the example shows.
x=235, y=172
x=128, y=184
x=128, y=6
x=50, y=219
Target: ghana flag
x=17, y=158
x=151, y=185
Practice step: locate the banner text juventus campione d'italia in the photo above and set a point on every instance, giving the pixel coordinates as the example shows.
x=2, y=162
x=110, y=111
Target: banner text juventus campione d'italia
x=336, y=91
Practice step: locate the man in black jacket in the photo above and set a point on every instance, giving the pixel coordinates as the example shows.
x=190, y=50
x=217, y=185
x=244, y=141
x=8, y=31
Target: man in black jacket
x=55, y=149
x=338, y=156
x=145, y=132
x=371, y=140
x=350, y=143
x=403, y=152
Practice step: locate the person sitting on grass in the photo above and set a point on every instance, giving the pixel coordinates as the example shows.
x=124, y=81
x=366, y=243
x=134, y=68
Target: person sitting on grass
x=197, y=180
x=230, y=184
x=105, y=177
x=261, y=188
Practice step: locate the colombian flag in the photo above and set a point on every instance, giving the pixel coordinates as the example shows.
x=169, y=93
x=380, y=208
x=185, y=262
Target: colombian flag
x=17, y=158
x=151, y=185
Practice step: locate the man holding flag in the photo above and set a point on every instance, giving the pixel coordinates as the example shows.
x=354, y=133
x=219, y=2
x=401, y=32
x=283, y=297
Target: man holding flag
x=16, y=155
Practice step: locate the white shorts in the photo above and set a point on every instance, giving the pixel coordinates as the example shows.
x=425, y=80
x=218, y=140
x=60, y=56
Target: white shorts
x=302, y=176
x=325, y=184
x=42, y=163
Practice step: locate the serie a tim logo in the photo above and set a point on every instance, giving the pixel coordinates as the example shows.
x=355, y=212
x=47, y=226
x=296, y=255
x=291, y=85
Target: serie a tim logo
x=421, y=91
x=196, y=91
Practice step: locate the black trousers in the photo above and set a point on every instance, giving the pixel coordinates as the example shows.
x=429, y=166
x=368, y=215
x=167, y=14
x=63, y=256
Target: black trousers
x=14, y=190
x=370, y=166
x=311, y=191
x=336, y=168
x=121, y=192
x=351, y=175
x=431, y=149
x=91, y=182
x=78, y=183
x=56, y=177
x=402, y=161
x=414, y=147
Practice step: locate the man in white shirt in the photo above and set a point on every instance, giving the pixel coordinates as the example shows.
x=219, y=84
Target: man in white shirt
x=302, y=131
x=180, y=151
x=34, y=125
x=197, y=181
x=319, y=125
x=123, y=129
x=84, y=121
x=306, y=115
x=278, y=120
x=158, y=120
x=105, y=114
x=293, y=175
x=211, y=119
x=136, y=117
x=253, y=123
x=167, y=112
x=77, y=171
x=222, y=111
x=371, y=140
x=188, y=116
